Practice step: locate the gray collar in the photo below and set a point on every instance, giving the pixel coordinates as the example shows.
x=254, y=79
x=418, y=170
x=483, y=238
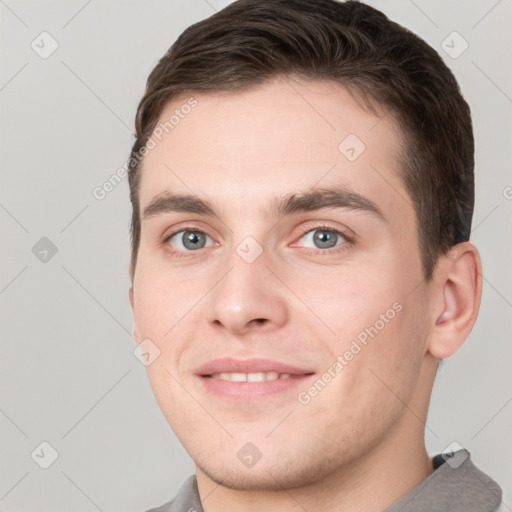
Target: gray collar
x=455, y=486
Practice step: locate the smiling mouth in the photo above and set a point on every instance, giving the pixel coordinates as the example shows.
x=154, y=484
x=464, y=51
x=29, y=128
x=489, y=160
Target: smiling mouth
x=253, y=386
x=252, y=377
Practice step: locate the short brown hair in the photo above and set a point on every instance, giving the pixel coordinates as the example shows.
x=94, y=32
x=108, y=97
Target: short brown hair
x=252, y=41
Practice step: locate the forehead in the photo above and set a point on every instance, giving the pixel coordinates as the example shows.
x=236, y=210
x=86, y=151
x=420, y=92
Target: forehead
x=285, y=135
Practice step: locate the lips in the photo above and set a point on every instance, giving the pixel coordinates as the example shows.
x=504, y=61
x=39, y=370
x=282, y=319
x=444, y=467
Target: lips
x=251, y=380
x=230, y=365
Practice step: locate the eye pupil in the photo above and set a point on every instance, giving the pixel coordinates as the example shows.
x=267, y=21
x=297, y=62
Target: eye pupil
x=325, y=239
x=193, y=239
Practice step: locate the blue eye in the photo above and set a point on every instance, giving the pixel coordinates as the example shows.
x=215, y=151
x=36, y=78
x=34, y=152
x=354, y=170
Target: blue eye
x=324, y=238
x=188, y=240
x=320, y=239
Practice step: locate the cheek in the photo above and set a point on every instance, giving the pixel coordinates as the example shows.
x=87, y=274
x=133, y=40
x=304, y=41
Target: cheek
x=353, y=301
x=162, y=311
x=377, y=379
x=390, y=361
x=167, y=311
x=163, y=299
x=375, y=327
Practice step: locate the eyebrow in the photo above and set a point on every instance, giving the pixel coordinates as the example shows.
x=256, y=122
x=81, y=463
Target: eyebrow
x=315, y=199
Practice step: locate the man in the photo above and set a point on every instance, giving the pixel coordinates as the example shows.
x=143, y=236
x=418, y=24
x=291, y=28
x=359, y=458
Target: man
x=302, y=191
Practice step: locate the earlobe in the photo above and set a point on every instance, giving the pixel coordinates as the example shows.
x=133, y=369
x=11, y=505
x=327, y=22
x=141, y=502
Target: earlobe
x=457, y=293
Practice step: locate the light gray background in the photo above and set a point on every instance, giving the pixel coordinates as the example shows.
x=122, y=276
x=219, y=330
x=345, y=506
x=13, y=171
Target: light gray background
x=68, y=373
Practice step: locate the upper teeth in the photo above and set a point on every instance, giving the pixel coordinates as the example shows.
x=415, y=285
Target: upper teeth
x=250, y=377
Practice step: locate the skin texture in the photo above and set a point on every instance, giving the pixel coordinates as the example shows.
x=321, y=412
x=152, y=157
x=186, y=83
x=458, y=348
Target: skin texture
x=296, y=303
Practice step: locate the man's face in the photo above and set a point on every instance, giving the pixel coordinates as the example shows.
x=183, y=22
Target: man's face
x=329, y=291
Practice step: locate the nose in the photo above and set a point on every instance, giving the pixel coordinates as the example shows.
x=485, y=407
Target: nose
x=248, y=298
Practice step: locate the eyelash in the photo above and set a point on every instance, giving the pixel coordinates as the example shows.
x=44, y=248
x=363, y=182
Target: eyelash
x=349, y=241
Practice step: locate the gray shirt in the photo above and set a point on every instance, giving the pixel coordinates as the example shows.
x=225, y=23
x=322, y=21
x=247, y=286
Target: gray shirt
x=456, y=485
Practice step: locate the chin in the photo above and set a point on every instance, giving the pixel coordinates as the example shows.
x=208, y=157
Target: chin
x=270, y=475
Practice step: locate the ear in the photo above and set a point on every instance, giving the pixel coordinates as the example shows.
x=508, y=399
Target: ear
x=130, y=296
x=457, y=292
x=132, y=304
